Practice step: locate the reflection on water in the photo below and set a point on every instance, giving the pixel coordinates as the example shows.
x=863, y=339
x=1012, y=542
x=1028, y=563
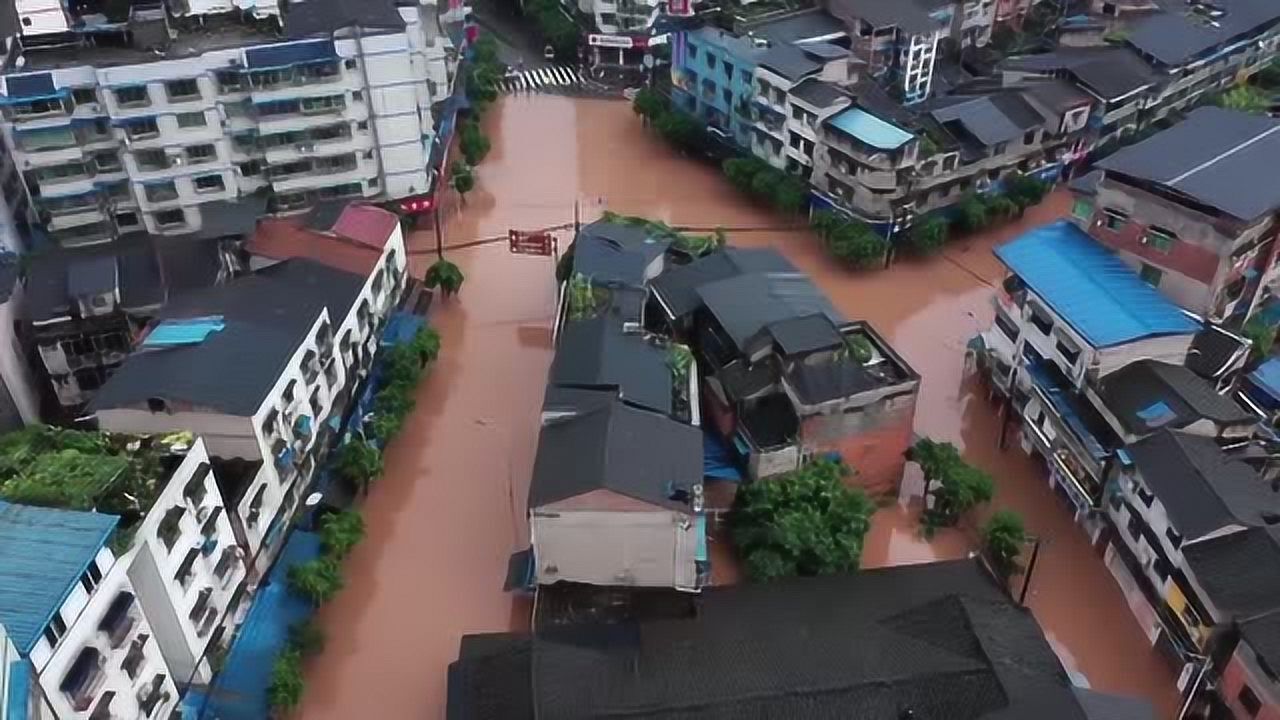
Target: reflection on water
x=450, y=508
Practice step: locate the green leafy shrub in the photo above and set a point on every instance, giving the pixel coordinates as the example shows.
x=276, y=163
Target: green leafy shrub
x=287, y=684
x=316, y=580
x=340, y=532
x=1003, y=537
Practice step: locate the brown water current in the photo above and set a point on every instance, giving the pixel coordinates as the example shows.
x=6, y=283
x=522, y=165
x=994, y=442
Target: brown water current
x=449, y=509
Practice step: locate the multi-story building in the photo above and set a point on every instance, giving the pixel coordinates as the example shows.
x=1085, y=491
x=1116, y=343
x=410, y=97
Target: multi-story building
x=140, y=124
x=898, y=40
x=712, y=79
x=19, y=399
x=70, y=608
x=1192, y=209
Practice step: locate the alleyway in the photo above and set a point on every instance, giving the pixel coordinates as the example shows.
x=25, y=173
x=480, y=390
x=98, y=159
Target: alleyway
x=448, y=511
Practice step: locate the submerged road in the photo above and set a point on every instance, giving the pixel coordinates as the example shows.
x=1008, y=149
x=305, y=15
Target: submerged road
x=449, y=510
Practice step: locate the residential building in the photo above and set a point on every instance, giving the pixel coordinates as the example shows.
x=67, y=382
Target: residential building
x=621, y=18
x=785, y=376
x=713, y=79
x=68, y=604
x=898, y=39
x=1247, y=684
x=1192, y=210
x=19, y=400
x=141, y=123
x=84, y=306
x=1012, y=11
x=933, y=640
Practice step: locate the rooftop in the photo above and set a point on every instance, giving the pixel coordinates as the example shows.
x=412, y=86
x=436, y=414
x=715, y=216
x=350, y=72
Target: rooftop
x=1090, y=288
x=747, y=304
x=1182, y=36
x=1240, y=571
x=1147, y=395
x=869, y=129
x=1219, y=158
x=988, y=119
x=937, y=639
x=601, y=443
x=345, y=237
x=597, y=353
x=43, y=553
x=1111, y=73
x=265, y=318
x=802, y=26
x=905, y=14
x=1202, y=489
x=819, y=93
x=677, y=287
x=1262, y=633
x=616, y=253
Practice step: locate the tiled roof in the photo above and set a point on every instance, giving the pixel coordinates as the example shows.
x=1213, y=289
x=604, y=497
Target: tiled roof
x=596, y=352
x=1240, y=572
x=678, y=286
x=1147, y=395
x=1180, y=36
x=1089, y=287
x=347, y=237
x=43, y=553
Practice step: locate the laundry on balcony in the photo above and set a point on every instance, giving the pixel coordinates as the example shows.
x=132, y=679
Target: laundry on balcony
x=302, y=426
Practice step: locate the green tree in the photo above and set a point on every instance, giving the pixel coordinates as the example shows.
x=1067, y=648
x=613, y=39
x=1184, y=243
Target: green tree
x=1003, y=537
x=1245, y=98
x=649, y=104
x=857, y=244
x=928, y=236
x=742, y=172
x=680, y=130
x=426, y=344
x=472, y=142
x=1023, y=190
x=307, y=638
x=806, y=522
x=1000, y=207
x=485, y=51
x=824, y=223
x=462, y=179
x=395, y=399
x=359, y=462
x=954, y=486
x=764, y=182
x=972, y=213
x=444, y=275
x=287, y=684
x=790, y=194
x=316, y=580
x=1262, y=335
x=1268, y=78
x=340, y=532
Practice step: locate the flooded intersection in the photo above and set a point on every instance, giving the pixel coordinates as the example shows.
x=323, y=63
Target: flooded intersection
x=450, y=507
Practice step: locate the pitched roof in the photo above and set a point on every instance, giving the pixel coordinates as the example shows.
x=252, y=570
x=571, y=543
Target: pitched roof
x=43, y=553
x=1089, y=287
x=990, y=119
x=1201, y=489
x=746, y=304
x=816, y=383
x=1109, y=72
x=804, y=334
x=1178, y=37
x=789, y=61
x=1147, y=395
x=677, y=287
x=610, y=446
x=1262, y=633
x=346, y=237
x=1240, y=571
x=266, y=317
x=609, y=253
x=597, y=353
x=904, y=14
x=798, y=27
x=937, y=639
x=819, y=93
x=1218, y=157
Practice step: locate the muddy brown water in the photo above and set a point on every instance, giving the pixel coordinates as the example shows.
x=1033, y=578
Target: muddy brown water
x=449, y=509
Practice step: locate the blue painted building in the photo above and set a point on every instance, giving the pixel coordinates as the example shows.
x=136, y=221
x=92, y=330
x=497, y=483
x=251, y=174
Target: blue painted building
x=711, y=78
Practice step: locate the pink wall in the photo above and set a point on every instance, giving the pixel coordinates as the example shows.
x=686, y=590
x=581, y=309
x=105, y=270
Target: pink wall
x=1235, y=676
x=875, y=452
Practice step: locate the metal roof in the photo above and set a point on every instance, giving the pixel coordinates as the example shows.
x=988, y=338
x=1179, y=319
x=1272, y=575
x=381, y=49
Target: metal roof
x=1093, y=290
x=1175, y=38
x=43, y=552
x=1221, y=158
x=871, y=130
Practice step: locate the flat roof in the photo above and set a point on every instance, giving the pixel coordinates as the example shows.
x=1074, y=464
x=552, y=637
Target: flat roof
x=869, y=129
x=1090, y=288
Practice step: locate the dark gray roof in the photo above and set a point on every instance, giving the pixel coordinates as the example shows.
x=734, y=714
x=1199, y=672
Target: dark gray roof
x=746, y=304
x=789, y=61
x=938, y=639
x=1200, y=488
x=903, y=14
x=1086, y=184
x=678, y=286
x=610, y=253
x=597, y=353
x=1056, y=93
x=816, y=383
x=1175, y=38
x=1100, y=706
x=806, y=25
x=1135, y=392
x=819, y=93
x=1220, y=158
x=55, y=275
x=267, y=316
x=91, y=275
x=10, y=269
x=1214, y=352
x=613, y=446
x=988, y=119
x=804, y=334
x=1240, y=572
x=1109, y=72
x=324, y=17
x=1262, y=633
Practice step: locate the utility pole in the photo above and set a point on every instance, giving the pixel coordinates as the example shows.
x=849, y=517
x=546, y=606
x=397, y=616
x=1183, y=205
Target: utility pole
x=1031, y=568
x=439, y=222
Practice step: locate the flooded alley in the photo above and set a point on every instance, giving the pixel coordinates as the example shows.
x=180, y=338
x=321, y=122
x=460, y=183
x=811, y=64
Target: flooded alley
x=450, y=508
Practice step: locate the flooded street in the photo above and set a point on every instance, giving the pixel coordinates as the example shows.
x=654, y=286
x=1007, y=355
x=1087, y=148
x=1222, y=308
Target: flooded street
x=449, y=510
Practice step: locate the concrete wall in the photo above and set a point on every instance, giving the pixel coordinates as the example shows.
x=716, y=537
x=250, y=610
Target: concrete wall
x=871, y=439
x=637, y=548
x=1243, y=670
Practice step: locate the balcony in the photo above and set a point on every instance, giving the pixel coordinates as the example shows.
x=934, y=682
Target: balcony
x=153, y=695
x=102, y=711
x=200, y=606
x=119, y=620
x=195, y=490
x=84, y=679
x=132, y=663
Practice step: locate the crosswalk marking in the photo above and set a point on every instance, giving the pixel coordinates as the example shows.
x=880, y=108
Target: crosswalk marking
x=544, y=77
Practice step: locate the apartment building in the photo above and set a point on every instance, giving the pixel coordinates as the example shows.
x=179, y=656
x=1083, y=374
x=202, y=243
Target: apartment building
x=1193, y=211
x=898, y=40
x=19, y=399
x=141, y=124
x=69, y=607
x=712, y=78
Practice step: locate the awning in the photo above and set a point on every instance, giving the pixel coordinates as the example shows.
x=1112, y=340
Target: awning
x=273, y=57
x=519, y=571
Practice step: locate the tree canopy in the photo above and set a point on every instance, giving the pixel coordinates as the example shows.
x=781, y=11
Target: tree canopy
x=954, y=486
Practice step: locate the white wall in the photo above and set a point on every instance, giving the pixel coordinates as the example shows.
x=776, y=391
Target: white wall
x=641, y=549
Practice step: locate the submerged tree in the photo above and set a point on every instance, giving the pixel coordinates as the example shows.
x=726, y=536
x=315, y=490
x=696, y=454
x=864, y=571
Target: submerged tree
x=1003, y=537
x=340, y=532
x=316, y=580
x=954, y=486
x=446, y=276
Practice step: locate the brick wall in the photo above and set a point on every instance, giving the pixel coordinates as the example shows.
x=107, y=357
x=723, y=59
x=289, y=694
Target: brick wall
x=872, y=442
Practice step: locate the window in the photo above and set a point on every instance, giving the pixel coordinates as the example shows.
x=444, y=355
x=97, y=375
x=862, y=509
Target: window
x=141, y=129
x=169, y=218
x=711, y=62
x=1068, y=350
x=1249, y=701
x=1159, y=238
x=727, y=94
x=151, y=159
x=350, y=63
x=84, y=96
x=357, y=95
x=1174, y=538
x=161, y=192
x=106, y=162
x=611, y=19
x=1031, y=137
x=209, y=183
x=132, y=96
x=1040, y=319
x=693, y=51
x=179, y=90
x=362, y=125
x=191, y=120
x=1144, y=495
x=999, y=149
x=126, y=220
x=321, y=104
x=1151, y=274
x=1135, y=526
x=1115, y=219
x=250, y=168
x=229, y=81
x=1082, y=209
x=197, y=154
x=118, y=190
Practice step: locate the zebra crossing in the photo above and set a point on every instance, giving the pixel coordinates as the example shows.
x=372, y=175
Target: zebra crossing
x=541, y=79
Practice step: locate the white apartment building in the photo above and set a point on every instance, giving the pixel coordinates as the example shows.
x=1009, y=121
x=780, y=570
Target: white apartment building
x=71, y=612
x=140, y=129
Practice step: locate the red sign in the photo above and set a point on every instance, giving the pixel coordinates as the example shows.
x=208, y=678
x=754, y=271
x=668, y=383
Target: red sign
x=417, y=204
x=522, y=243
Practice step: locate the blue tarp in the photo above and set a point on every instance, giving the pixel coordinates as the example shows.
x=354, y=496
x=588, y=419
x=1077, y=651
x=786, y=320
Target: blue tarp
x=184, y=332
x=240, y=690
x=34, y=85
x=1098, y=295
x=286, y=54
x=401, y=327
x=1267, y=379
x=717, y=460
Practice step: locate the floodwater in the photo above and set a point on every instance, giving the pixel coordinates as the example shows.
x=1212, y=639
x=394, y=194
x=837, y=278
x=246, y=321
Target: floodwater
x=448, y=511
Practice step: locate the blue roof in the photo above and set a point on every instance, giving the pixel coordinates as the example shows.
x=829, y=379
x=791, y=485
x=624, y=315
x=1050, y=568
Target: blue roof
x=43, y=553
x=1093, y=290
x=1267, y=377
x=19, y=690
x=871, y=130
x=188, y=331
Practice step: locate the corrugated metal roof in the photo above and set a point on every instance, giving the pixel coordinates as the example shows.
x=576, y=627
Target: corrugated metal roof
x=870, y=129
x=43, y=552
x=1089, y=287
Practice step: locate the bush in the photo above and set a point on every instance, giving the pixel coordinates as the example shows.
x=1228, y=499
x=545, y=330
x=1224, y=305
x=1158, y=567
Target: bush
x=789, y=195
x=927, y=236
x=395, y=399
x=472, y=142
x=316, y=580
x=649, y=104
x=742, y=172
x=1003, y=537
x=1245, y=98
x=462, y=179
x=307, y=638
x=1000, y=207
x=824, y=223
x=680, y=130
x=857, y=244
x=284, y=692
x=340, y=532
x=972, y=213
x=1023, y=190
x=806, y=522
x=444, y=275
x=359, y=462
x=426, y=344
x=954, y=485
